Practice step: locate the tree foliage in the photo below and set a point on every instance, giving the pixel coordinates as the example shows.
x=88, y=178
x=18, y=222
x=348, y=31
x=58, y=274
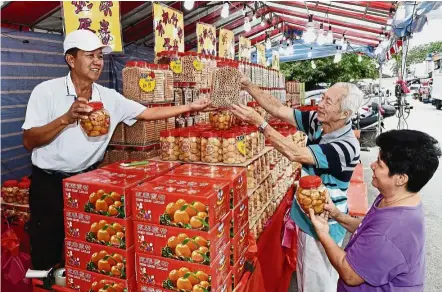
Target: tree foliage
x=419, y=53
x=328, y=72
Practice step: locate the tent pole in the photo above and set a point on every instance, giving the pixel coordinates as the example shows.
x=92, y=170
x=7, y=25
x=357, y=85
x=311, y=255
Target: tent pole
x=379, y=100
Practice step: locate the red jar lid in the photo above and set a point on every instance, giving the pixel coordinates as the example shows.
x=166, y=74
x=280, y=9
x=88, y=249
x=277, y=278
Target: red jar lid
x=212, y=134
x=24, y=185
x=180, y=54
x=252, y=104
x=131, y=63
x=153, y=66
x=96, y=105
x=184, y=84
x=311, y=181
x=194, y=54
x=163, y=66
x=168, y=133
x=25, y=178
x=192, y=84
x=10, y=183
x=177, y=84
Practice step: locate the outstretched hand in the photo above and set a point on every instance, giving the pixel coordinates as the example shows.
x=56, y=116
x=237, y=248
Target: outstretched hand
x=320, y=222
x=200, y=104
x=247, y=114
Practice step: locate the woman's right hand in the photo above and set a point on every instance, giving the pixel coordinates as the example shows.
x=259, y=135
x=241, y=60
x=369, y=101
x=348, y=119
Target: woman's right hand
x=333, y=211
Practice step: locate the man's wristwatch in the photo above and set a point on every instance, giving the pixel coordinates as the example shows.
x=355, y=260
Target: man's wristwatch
x=262, y=127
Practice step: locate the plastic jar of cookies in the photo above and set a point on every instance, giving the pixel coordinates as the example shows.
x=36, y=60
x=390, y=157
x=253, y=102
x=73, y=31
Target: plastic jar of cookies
x=23, y=192
x=98, y=121
x=311, y=193
x=232, y=150
x=212, y=147
x=190, y=145
x=251, y=176
x=169, y=148
x=221, y=120
x=9, y=191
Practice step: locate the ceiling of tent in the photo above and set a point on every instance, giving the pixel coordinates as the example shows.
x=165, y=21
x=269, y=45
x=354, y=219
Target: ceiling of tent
x=364, y=23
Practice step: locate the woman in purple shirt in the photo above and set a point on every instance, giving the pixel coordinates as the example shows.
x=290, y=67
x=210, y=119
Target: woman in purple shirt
x=386, y=251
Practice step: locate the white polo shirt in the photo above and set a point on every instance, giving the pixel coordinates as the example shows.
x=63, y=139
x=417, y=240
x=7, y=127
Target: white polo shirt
x=72, y=151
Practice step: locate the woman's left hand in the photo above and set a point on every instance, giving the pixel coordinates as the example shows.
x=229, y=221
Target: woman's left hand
x=320, y=222
x=200, y=104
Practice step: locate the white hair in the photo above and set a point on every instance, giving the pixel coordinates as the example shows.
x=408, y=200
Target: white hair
x=352, y=98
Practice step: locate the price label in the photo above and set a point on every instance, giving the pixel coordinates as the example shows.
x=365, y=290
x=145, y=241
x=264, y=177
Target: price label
x=198, y=65
x=147, y=82
x=241, y=144
x=176, y=67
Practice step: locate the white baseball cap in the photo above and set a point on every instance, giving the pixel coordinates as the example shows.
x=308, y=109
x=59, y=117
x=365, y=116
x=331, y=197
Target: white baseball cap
x=84, y=40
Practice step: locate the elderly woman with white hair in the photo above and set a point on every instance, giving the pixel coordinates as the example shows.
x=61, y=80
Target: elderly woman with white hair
x=332, y=152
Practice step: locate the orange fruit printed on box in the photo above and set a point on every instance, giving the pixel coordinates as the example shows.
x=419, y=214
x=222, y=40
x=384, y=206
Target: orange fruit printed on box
x=81, y=280
x=239, y=245
x=108, y=261
x=182, y=276
x=235, y=176
x=195, y=246
x=225, y=287
x=101, y=192
x=240, y=217
x=198, y=207
x=99, y=229
x=151, y=168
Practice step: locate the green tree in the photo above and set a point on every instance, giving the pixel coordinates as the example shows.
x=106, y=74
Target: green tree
x=326, y=71
x=419, y=53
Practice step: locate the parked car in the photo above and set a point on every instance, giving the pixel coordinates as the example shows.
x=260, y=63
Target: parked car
x=414, y=90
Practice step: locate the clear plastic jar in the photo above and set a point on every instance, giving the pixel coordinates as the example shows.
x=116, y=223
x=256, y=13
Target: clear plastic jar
x=145, y=71
x=178, y=94
x=311, y=193
x=251, y=176
x=205, y=60
x=211, y=147
x=98, y=121
x=23, y=192
x=190, y=146
x=169, y=148
x=221, y=120
x=160, y=78
x=9, y=191
x=190, y=121
x=188, y=93
x=160, y=125
x=226, y=84
x=231, y=148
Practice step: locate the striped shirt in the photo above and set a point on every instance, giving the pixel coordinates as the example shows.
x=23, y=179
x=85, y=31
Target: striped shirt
x=336, y=154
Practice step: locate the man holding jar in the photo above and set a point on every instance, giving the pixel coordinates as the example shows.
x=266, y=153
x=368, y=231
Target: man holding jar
x=59, y=147
x=332, y=152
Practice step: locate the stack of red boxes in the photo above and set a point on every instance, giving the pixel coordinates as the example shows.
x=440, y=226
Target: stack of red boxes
x=236, y=177
x=182, y=235
x=99, y=245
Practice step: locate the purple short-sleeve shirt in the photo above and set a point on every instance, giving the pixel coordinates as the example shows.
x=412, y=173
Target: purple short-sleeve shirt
x=388, y=250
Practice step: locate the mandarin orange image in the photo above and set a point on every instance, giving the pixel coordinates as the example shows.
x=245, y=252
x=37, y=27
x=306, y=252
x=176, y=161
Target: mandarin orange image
x=101, y=205
x=103, y=235
x=203, y=249
x=111, y=260
x=115, y=196
x=198, y=288
x=118, y=204
x=118, y=258
x=95, y=258
x=183, y=250
x=120, y=234
x=115, y=271
x=173, y=276
x=193, y=279
x=197, y=257
x=204, y=284
x=110, y=230
x=181, y=217
x=113, y=211
x=195, y=222
x=201, y=241
x=102, y=254
x=94, y=227
x=117, y=288
x=202, y=215
x=93, y=197
x=192, y=244
x=100, y=193
x=184, y=284
x=114, y=240
x=190, y=210
x=102, y=224
x=183, y=271
x=180, y=203
x=103, y=265
x=202, y=276
x=120, y=266
x=199, y=206
x=173, y=242
x=117, y=227
x=182, y=236
x=95, y=286
x=171, y=208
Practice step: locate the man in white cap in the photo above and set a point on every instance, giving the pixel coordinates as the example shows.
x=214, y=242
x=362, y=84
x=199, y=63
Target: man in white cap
x=59, y=147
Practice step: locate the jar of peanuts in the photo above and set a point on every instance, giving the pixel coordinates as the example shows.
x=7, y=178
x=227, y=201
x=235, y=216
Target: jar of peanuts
x=169, y=148
x=9, y=191
x=233, y=148
x=211, y=147
x=98, y=121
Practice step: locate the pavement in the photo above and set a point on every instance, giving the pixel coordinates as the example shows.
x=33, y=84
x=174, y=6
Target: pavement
x=425, y=118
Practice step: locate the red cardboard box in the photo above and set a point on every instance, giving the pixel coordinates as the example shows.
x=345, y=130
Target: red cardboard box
x=238, y=269
x=155, y=168
x=183, y=245
x=80, y=280
x=101, y=192
x=187, y=207
x=100, y=259
x=239, y=245
x=175, y=275
x=236, y=176
x=99, y=229
x=226, y=287
x=240, y=217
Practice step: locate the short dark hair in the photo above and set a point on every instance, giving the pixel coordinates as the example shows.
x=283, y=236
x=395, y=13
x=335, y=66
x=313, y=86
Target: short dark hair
x=410, y=152
x=72, y=52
